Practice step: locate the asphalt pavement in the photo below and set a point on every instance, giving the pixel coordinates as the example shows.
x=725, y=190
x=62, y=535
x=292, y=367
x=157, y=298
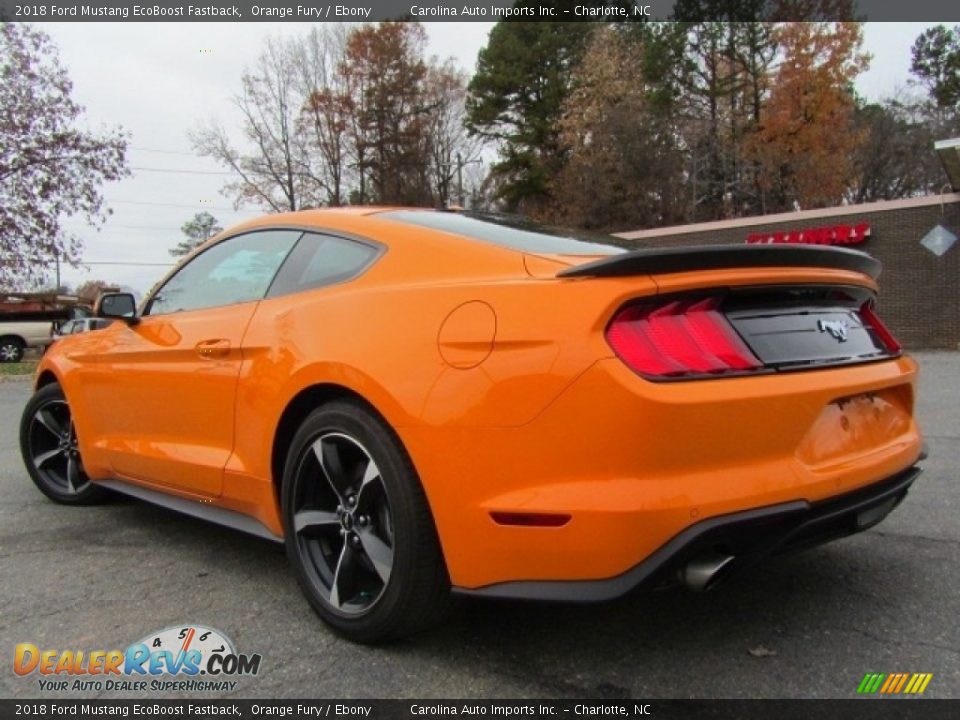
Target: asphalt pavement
x=807, y=626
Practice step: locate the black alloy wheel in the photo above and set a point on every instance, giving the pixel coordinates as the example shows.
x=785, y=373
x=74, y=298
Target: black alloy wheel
x=51, y=453
x=358, y=529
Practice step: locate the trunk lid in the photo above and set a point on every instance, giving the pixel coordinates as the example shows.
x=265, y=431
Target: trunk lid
x=733, y=310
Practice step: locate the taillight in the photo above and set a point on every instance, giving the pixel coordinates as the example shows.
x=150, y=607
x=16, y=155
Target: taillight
x=679, y=338
x=879, y=330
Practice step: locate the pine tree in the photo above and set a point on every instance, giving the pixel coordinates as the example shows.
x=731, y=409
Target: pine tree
x=198, y=229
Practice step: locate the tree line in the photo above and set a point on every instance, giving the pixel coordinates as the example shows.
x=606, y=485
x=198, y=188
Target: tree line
x=345, y=115
x=650, y=124
x=599, y=125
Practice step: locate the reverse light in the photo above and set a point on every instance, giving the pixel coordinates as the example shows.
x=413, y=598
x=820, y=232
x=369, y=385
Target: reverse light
x=879, y=330
x=679, y=338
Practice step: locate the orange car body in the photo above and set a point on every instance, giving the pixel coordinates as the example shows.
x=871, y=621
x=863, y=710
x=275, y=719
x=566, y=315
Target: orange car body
x=498, y=379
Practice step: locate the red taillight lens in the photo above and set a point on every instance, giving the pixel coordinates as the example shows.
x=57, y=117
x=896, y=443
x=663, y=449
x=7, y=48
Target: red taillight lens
x=683, y=337
x=880, y=331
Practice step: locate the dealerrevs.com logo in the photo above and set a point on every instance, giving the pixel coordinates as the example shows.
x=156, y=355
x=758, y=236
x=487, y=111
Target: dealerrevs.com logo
x=183, y=658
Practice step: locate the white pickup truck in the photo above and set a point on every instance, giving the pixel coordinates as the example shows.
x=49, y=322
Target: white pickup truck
x=15, y=336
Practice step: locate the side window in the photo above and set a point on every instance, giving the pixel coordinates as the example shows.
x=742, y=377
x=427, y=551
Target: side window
x=236, y=270
x=320, y=260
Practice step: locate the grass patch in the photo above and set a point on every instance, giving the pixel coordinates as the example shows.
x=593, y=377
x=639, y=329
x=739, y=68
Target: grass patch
x=18, y=368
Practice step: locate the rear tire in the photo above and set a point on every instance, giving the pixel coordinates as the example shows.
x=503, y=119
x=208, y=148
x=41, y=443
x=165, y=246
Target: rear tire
x=48, y=444
x=359, y=532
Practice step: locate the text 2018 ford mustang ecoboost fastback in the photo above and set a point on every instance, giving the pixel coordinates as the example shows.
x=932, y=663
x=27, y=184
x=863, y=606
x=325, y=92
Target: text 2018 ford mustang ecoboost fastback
x=418, y=401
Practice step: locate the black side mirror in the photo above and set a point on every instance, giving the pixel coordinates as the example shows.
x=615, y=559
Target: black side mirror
x=120, y=306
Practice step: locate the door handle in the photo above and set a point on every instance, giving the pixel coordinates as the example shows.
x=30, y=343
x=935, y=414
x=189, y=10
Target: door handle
x=213, y=349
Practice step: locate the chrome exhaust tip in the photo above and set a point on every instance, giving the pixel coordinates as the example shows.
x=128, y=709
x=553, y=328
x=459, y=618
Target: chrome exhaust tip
x=702, y=572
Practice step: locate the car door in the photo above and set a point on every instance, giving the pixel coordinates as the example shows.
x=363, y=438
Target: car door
x=163, y=406
x=289, y=330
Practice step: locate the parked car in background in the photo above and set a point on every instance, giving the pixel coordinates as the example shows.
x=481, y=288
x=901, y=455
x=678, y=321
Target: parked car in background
x=30, y=319
x=72, y=327
x=16, y=336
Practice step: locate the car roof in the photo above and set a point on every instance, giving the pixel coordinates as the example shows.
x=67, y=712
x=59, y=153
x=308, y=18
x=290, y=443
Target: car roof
x=369, y=223
x=419, y=247
x=411, y=226
x=413, y=254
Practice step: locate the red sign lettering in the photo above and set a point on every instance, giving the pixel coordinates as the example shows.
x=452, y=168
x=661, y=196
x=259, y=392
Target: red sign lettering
x=836, y=235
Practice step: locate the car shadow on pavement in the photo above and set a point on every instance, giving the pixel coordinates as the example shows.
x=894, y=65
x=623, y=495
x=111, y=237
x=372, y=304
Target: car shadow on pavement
x=834, y=609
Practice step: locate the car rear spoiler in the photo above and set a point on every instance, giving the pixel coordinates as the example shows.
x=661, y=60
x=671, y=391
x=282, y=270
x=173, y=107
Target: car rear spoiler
x=654, y=261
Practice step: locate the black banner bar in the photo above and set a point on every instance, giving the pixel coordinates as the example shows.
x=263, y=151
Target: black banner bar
x=455, y=10
x=861, y=709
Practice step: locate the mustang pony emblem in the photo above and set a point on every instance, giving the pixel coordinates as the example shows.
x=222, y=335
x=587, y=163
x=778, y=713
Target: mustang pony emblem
x=836, y=328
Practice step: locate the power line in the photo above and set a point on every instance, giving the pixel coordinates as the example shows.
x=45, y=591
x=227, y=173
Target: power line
x=180, y=205
x=164, y=152
x=181, y=171
x=117, y=262
x=165, y=228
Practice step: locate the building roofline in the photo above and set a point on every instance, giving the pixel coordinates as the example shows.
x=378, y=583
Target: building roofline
x=797, y=216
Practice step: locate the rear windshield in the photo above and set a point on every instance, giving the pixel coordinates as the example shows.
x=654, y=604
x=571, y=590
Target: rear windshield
x=515, y=232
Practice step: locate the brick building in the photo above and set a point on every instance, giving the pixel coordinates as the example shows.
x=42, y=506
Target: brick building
x=919, y=292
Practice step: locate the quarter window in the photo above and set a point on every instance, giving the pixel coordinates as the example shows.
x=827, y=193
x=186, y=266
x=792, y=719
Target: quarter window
x=233, y=271
x=320, y=260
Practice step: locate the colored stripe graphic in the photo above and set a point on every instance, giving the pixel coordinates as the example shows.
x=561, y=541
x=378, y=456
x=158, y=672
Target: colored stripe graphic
x=870, y=683
x=888, y=683
x=894, y=683
x=900, y=683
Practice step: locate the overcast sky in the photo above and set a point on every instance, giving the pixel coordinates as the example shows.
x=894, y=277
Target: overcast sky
x=158, y=80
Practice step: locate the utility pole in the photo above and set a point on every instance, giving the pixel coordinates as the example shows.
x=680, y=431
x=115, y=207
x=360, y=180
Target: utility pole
x=460, y=198
x=56, y=259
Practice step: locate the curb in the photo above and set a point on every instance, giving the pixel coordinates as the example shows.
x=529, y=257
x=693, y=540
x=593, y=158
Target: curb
x=16, y=378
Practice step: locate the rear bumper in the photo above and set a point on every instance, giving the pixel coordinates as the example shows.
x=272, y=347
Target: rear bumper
x=748, y=536
x=635, y=463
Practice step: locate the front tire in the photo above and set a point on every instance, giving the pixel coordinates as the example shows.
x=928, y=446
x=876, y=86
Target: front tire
x=359, y=532
x=48, y=444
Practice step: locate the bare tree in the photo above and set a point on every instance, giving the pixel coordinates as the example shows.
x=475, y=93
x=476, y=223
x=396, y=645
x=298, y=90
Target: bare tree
x=449, y=147
x=345, y=114
x=325, y=115
x=90, y=290
x=622, y=166
x=386, y=70
x=270, y=174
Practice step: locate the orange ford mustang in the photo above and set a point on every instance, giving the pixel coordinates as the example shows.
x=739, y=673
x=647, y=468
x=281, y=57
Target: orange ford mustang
x=416, y=400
